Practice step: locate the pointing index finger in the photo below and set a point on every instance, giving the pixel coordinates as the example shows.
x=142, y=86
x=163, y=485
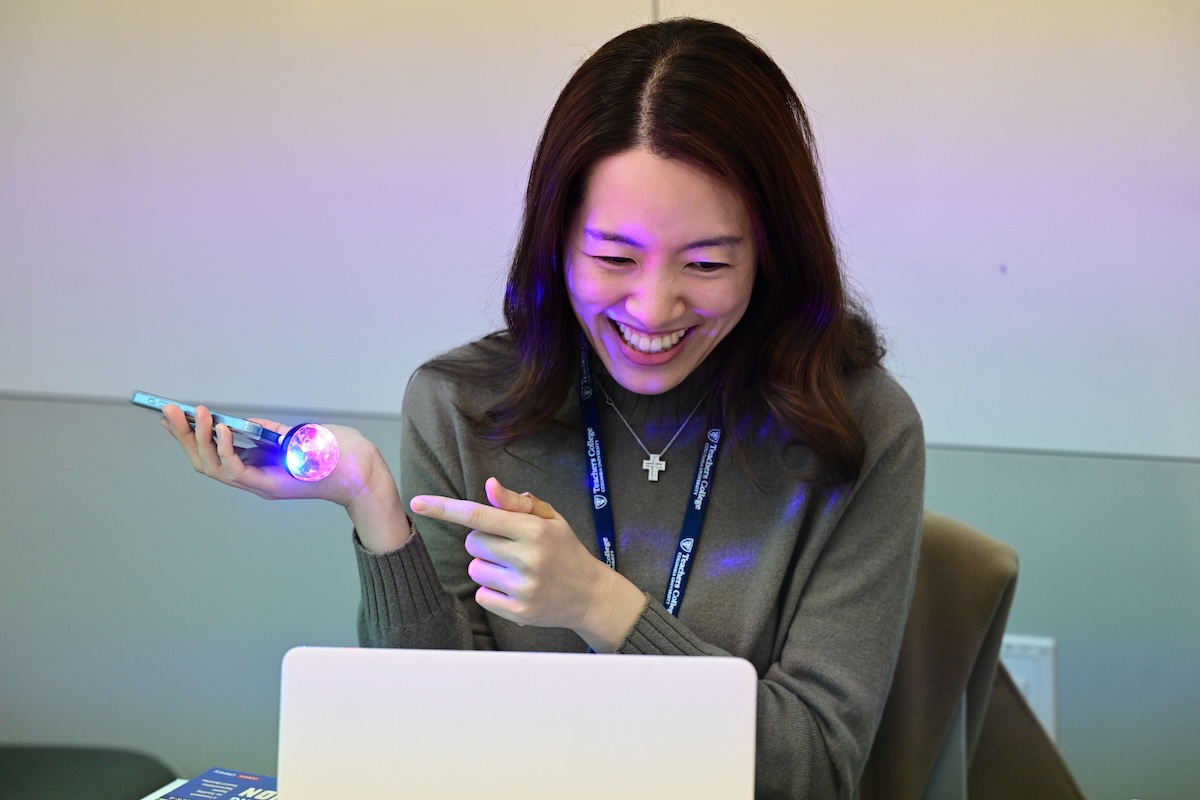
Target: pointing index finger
x=467, y=513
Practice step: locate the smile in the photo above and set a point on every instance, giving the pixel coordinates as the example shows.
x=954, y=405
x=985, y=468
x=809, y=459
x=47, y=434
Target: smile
x=650, y=344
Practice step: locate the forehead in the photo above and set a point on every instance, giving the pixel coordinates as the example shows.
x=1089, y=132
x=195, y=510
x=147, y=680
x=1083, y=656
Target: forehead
x=641, y=195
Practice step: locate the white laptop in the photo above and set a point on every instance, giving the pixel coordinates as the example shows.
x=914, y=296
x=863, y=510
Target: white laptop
x=371, y=723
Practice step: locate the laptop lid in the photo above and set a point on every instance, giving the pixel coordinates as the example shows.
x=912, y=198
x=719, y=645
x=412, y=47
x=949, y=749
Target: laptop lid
x=457, y=724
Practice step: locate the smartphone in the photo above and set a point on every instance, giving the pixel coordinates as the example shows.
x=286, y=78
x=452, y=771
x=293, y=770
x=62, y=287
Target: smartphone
x=245, y=432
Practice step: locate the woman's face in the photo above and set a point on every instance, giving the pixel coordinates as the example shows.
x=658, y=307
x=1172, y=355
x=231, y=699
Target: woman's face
x=660, y=265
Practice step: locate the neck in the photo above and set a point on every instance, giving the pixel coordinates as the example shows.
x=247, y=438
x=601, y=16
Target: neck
x=660, y=413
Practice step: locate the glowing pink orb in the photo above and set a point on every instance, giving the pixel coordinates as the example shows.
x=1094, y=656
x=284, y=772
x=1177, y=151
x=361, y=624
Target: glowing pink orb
x=310, y=452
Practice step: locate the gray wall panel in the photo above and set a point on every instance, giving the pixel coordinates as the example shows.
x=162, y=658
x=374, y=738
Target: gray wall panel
x=144, y=605
x=1110, y=556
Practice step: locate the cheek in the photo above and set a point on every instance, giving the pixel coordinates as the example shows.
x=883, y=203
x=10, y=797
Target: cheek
x=587, y=294
x=727, y=303
x=740, y=296
x=575, y=291
x=581, y=306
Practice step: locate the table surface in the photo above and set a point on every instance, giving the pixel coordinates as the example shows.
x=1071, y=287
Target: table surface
x=158, y=792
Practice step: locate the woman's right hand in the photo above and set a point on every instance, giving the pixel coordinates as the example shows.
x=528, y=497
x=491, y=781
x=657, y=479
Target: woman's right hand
x=361, y=482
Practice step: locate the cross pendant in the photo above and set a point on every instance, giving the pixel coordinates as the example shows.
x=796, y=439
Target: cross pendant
x=654, y=465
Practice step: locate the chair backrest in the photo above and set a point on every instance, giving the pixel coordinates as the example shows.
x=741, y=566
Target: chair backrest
x=951, y=647
x=1014, y=756
x=54, y=772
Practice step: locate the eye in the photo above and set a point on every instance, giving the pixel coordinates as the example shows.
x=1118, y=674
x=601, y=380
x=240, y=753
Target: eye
x=709, y=266
x=614, y=260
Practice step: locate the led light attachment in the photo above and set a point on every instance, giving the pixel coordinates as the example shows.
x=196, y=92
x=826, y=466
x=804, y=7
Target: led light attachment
x=310, y=452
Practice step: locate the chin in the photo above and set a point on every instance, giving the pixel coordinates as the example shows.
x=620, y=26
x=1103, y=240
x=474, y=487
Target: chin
x=649, y=380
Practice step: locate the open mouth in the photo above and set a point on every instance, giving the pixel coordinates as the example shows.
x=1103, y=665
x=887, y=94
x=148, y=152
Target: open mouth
x=659, y=343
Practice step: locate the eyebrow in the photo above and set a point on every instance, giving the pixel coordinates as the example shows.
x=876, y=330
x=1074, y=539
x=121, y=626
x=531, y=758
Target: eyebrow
x=618, y=238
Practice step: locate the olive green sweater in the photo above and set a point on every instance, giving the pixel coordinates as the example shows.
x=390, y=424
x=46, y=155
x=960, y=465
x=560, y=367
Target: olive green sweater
x=812, y=587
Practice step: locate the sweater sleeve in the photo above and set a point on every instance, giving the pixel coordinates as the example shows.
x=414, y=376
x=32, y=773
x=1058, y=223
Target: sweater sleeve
x=821, y=698
x=406, y=601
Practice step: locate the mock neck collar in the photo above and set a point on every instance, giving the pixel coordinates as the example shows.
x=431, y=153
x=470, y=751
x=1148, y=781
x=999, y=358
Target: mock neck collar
x=667, y=410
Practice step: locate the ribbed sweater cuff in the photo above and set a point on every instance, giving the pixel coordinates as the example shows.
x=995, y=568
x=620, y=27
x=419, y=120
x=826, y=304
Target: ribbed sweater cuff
x=400, y=586
x=656, y=632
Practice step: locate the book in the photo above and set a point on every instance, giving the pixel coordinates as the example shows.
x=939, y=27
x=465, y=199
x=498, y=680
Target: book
x=217, y=784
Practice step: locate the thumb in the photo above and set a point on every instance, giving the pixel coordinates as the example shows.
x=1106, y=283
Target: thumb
x=526, y=503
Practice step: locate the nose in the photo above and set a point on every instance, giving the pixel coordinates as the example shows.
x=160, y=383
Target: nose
x=655, y=301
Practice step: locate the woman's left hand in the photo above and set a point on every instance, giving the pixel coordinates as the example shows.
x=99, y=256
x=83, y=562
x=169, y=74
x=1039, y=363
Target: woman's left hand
x=532, y=569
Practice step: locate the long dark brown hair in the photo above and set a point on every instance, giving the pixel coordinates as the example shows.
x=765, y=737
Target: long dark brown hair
x=703, y=93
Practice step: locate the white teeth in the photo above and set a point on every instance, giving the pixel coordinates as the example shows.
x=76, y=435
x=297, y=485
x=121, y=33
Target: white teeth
x=647, y=344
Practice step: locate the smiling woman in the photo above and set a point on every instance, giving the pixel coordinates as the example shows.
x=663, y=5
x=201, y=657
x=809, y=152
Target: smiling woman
x=675, y=262
x=660, y=265
x=731, y=140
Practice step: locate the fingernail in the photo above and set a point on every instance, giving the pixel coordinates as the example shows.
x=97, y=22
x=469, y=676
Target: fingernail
x=418, y=505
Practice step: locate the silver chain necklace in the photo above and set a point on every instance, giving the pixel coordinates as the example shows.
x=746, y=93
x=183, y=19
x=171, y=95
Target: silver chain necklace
x=654, y=464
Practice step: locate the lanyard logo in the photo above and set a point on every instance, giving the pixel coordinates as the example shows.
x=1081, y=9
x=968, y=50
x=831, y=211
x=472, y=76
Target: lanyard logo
x=693, y=520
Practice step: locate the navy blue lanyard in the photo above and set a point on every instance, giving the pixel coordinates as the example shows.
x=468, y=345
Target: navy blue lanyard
x=693, y=518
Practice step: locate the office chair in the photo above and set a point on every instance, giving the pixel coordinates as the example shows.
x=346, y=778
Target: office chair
x=954, y=723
